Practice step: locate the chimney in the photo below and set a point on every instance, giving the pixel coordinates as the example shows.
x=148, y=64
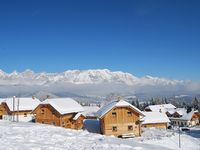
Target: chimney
x=48, y=97
x=33, y=97
x=119, y=98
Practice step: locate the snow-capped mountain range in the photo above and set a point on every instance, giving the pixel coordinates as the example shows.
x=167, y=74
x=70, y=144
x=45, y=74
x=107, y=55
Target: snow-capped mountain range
x=81, y=77
x=91, y=82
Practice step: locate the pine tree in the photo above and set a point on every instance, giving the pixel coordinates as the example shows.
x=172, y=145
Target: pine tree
x=195, y=104
x=137, y=104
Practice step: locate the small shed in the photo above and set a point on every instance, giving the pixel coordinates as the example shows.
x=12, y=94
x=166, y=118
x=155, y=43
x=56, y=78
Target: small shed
x=155, y=119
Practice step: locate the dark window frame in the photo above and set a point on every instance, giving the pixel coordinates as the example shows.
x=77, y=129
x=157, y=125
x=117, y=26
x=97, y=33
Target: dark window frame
x=129, y=113
x=114, y=114
x=114, y=128
x=130, y=128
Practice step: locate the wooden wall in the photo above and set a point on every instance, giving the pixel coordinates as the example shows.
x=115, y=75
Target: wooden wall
x=156, y=125
x=48, y=115
x=24, y=112
x=122, y=120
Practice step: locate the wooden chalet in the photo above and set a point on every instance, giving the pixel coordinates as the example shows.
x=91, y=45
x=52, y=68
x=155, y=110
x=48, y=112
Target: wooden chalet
x=120, y=118
x=155, y=119
x=181, y=117
x=18, y=109
x=64, y=112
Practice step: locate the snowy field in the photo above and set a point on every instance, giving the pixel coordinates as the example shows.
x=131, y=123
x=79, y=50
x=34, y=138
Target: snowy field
x=23, y=136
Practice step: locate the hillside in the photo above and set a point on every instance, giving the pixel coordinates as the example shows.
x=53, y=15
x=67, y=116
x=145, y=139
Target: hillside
x=25, y=136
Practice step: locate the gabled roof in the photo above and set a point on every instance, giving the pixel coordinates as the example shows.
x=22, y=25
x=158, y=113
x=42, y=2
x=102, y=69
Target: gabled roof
x=77, y=116
x=155, y=117
x=25, y=103
x=162, y=107
x=180, y=111
x=115, y=103
x=184, y=115
x=64, y=105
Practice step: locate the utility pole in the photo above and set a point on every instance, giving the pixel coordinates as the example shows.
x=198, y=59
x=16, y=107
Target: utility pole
x=179, y=139
x=18, y=110
x=13, y=114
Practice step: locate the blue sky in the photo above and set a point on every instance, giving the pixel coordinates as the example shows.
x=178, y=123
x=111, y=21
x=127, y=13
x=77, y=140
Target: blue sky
x=157, y=37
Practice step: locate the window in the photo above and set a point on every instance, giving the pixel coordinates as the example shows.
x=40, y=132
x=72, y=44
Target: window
x=63, y=124
x=42, y=122
x=114, y=114
x=181, y=123
x=130, y=128
x=114, y=128
x=129, y=113
x=42, y=111
x=25, y=114
x=53, y=123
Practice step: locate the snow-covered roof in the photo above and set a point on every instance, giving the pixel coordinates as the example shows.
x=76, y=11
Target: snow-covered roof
x=155, y=117
x=25, y=103
x=64, y=105
x=171, y=111
x=77, y=116
x=2, y=100
x=184, y=114
x=90, y=110
x=116, y=103
x=180, y=111
x=162, y=107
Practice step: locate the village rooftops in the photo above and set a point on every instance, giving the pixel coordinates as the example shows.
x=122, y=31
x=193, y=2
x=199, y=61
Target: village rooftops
x=155, y=117
x=116, y=103
x=180, y=111
x=162, y=107
x=25, y=103
x=64, y=105
x=184, y=115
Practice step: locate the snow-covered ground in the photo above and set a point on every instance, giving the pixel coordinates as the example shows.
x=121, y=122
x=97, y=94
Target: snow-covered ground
x=24, y=136
x=169, y=138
